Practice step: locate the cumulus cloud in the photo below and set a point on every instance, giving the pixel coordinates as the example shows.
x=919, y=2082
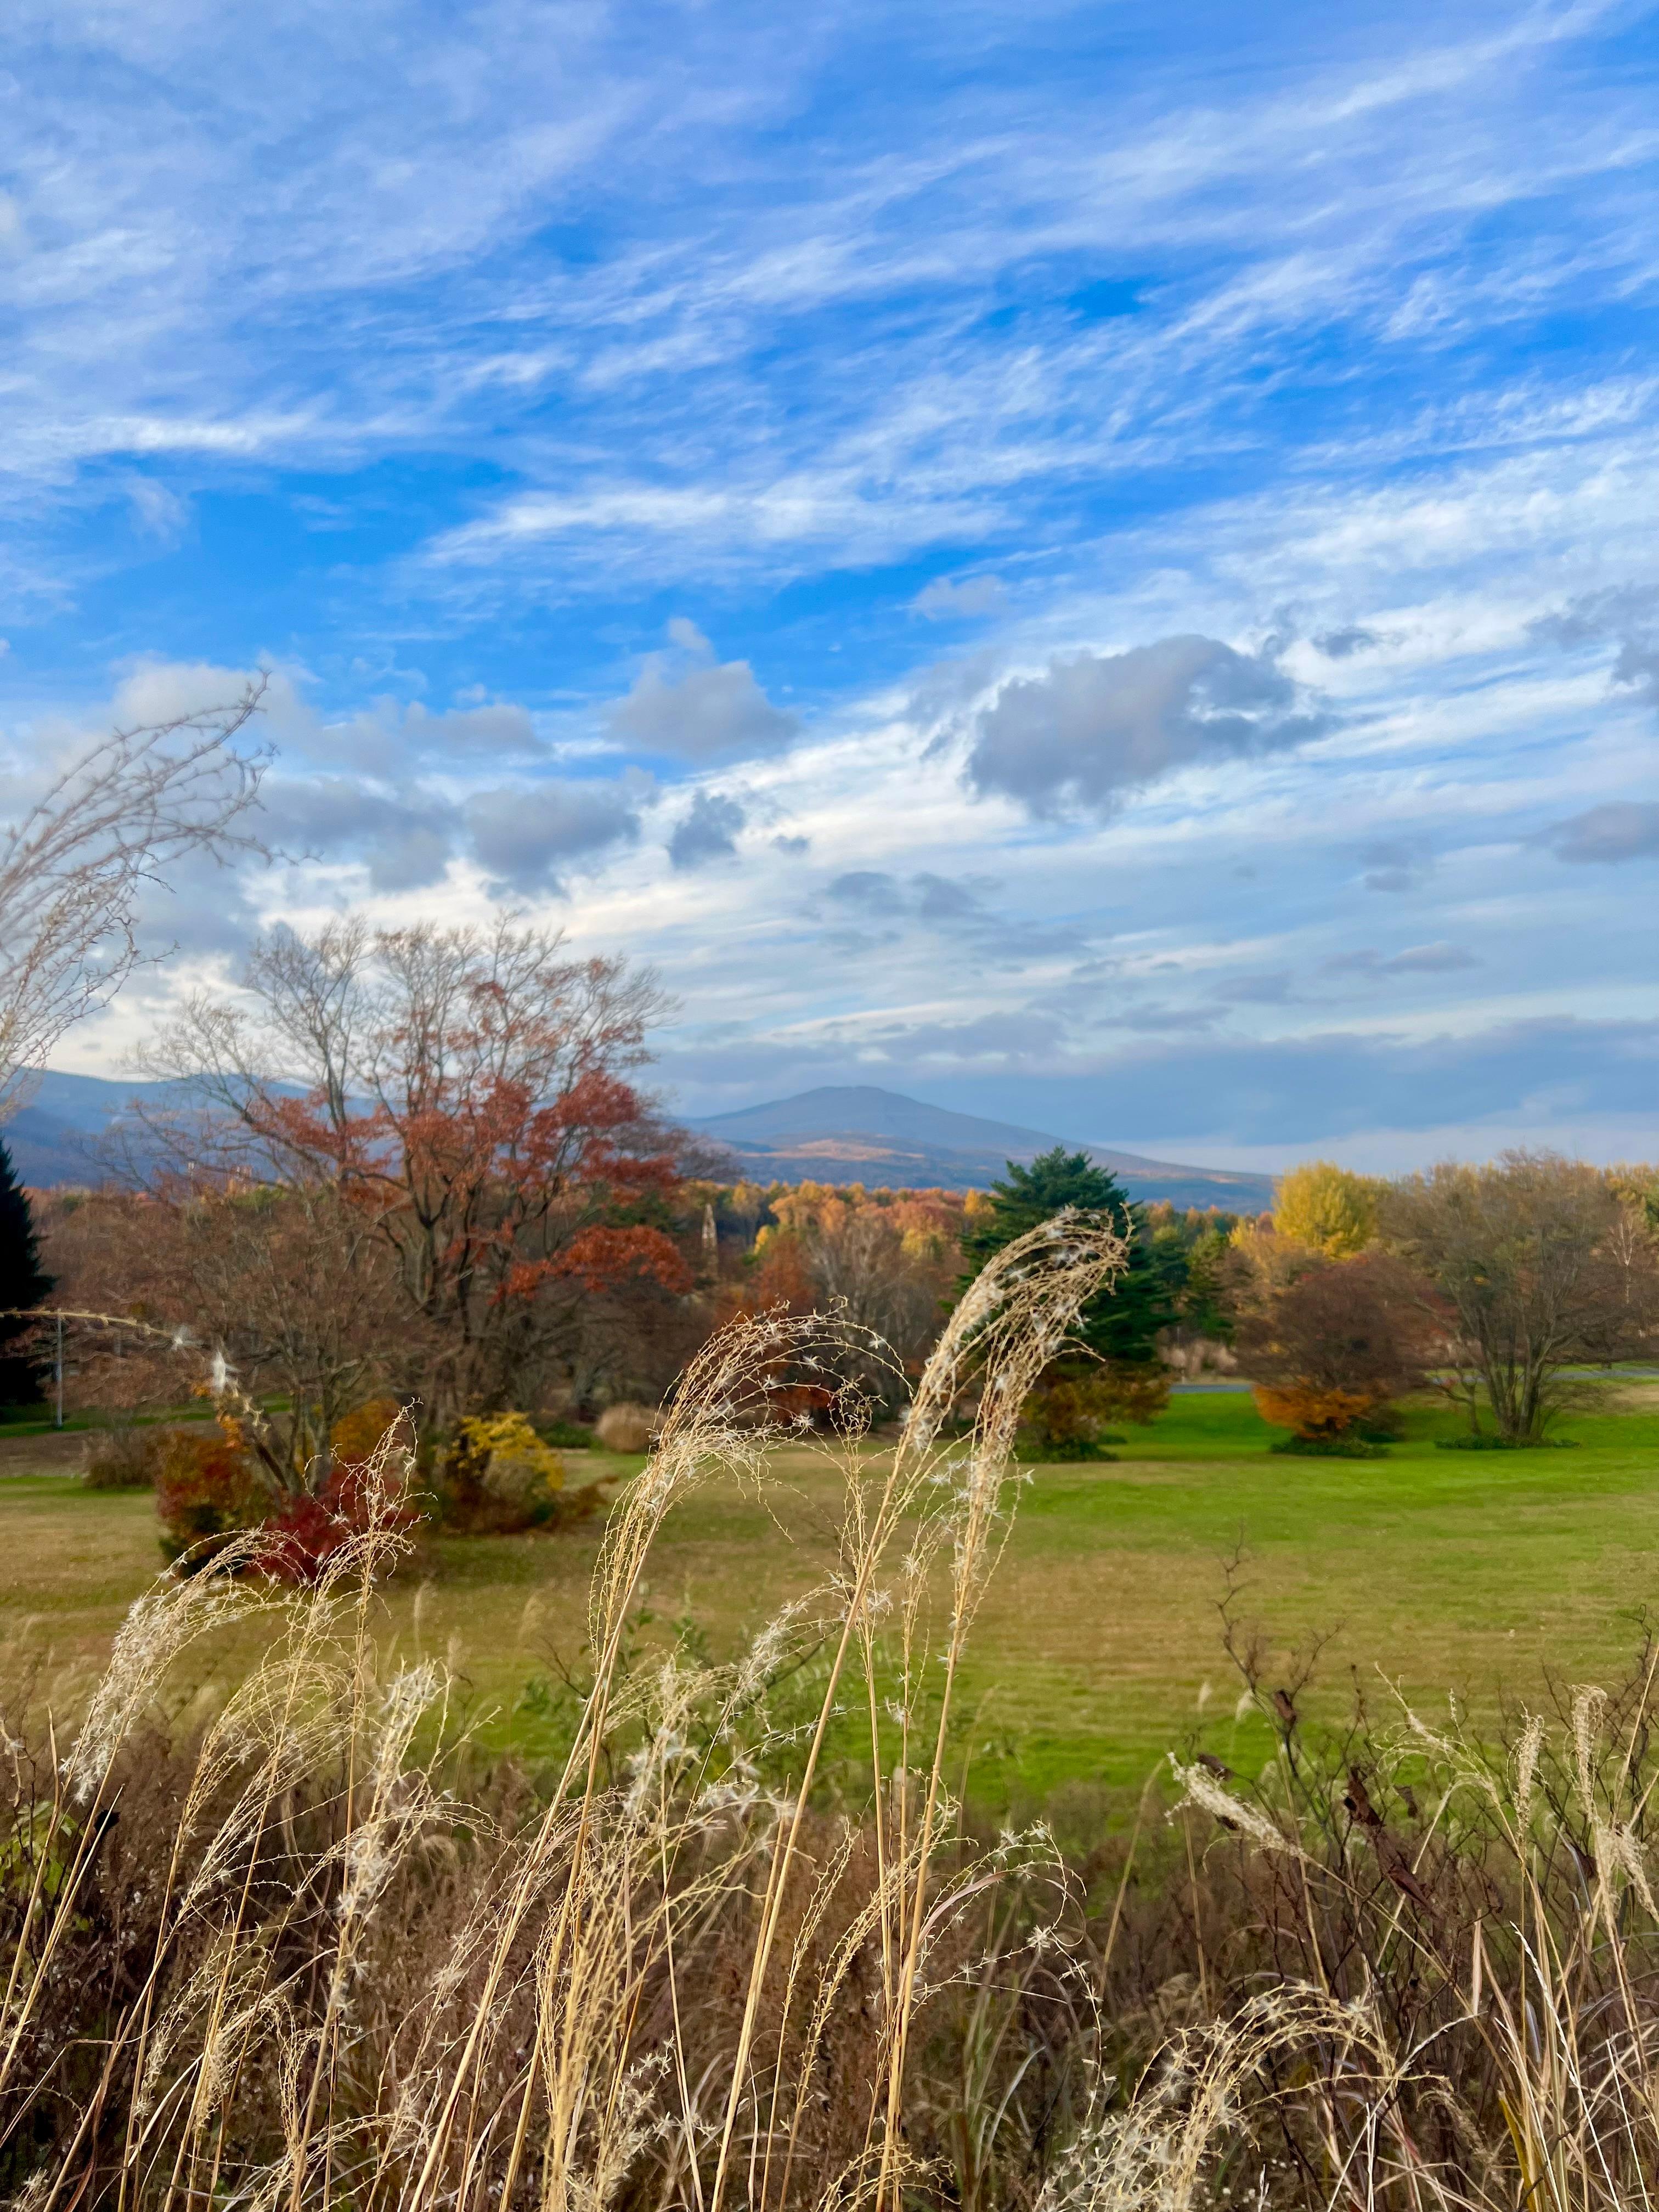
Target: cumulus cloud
x=1438, y=959
x=384, y=740
x=1623, y=829
x=165, y=690
x=868, y=891
x=409, y=858
x=943, y=899
x=497, y=728
x=709, y=831
x=688, y=704
x=949, y=599
x=528, y=839
x=201, y=910
x=944, y=902
x=405, y=839
x=1093, y=726
x=390, y=737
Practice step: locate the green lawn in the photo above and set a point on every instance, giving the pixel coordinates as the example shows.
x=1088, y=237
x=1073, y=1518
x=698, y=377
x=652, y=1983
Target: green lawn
x=1447, y=1571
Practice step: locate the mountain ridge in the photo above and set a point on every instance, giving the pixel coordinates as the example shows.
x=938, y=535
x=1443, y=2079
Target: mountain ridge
x=837, y=1133
x=858, y=1133
x=54, y=1136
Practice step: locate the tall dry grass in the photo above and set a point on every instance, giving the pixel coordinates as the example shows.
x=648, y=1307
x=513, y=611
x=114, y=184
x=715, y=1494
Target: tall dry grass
x=293, y=1958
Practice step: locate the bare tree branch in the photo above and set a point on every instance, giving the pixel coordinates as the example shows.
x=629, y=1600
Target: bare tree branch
x=73, y=870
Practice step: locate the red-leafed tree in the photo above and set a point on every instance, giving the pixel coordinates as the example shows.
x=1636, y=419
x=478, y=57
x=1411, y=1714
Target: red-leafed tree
x=469, y=1091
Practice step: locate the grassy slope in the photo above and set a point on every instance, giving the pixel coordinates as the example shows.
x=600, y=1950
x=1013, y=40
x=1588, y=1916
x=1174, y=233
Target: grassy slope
x=1446, y=1570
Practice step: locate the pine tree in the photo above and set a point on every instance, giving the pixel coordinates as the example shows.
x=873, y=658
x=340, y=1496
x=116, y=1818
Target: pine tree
x=1123, y=1324
x=1118, y=1374
x=24, y=1285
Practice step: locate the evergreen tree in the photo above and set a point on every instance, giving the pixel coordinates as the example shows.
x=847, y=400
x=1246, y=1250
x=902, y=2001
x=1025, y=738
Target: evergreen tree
x=24, y=1285
x=1122, y=1325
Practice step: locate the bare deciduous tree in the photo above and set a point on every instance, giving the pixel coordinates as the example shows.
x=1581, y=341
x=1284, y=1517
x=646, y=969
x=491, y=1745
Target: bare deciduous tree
x=1543, y=1267
x=73, y=870
x=293, y=1285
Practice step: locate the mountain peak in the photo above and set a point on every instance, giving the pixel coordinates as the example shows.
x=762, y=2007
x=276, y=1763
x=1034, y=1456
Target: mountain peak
x=859, y=1133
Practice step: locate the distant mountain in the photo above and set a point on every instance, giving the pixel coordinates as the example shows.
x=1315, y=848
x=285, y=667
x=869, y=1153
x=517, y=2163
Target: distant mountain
x=857, y=1133
x=72, y=1125
x=68, y=1125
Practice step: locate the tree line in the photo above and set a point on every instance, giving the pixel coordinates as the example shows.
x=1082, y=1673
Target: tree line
x=417, y=1170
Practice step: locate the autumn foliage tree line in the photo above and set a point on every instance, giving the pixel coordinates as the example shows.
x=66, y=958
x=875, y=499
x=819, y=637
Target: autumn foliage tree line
x=413, y=1174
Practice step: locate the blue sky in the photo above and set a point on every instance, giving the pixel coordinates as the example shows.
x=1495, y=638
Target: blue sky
x=1096, y=564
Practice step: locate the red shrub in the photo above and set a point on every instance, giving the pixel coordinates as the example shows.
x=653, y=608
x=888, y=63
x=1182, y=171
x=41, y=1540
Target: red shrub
x=209, y=1490
x=206, y=1492
x=308, y=1528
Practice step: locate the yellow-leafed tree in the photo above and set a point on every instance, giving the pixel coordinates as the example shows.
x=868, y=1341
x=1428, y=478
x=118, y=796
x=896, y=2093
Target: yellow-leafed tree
x=1326, y=1207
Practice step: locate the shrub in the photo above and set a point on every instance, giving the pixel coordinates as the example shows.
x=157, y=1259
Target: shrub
x=309, y=1527
x=124, y=1457
x=1331, y=1346
x=206, y=1492
x=500, y=1477
x=210, y=1490
x=1481, y=1442
x=565, y=1435
x=1346, y=1444
x=1311, y=1412
x=1068, y=1415
x=356, y=1436
x=626, y=1427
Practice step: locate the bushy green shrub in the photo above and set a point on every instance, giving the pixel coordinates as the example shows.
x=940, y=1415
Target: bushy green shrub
x=565, y=1435
x=1484, y=1443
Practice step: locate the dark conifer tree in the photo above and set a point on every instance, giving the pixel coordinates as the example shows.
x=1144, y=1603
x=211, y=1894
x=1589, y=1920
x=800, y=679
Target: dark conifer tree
x=24, y=1285
x=1122, y=1325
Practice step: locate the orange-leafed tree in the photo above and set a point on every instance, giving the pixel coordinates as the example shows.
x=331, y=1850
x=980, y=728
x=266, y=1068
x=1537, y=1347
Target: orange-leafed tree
x=1331, y=1346
x=469, y=1092
x=884, y=1259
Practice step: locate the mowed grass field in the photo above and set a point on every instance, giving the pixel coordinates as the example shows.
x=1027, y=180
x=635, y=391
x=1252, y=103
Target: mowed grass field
x=1097, y=1647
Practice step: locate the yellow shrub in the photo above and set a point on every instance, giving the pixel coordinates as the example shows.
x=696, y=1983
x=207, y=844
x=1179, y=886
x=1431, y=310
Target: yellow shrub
x=518, y=1465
